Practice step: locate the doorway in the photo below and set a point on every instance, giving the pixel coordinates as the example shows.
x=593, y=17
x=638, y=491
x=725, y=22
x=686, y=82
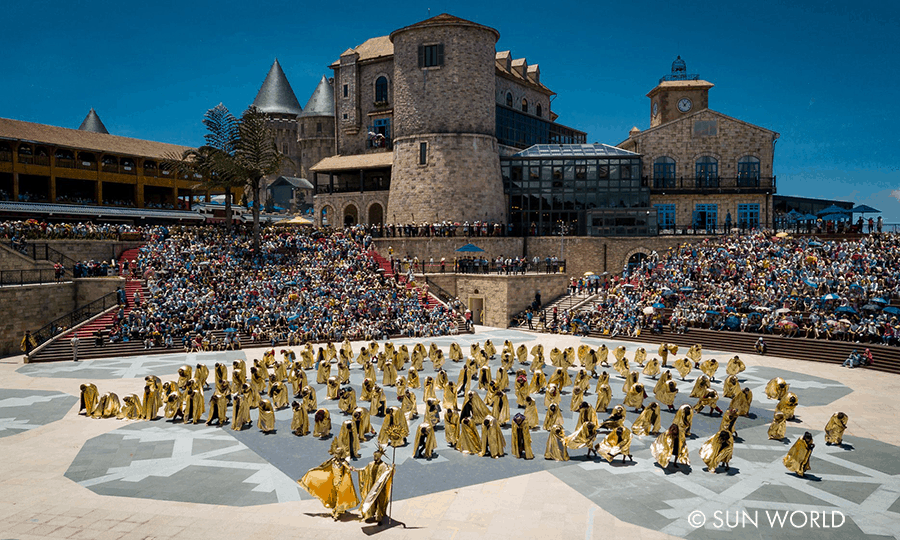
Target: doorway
x=476, y=306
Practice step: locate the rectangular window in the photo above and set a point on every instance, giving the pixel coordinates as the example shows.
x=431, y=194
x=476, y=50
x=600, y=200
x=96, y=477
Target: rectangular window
x=431, y=55
x=748, y=216
x=346, y=90
x=706, y=216
x=318, y=127
x=423, y=153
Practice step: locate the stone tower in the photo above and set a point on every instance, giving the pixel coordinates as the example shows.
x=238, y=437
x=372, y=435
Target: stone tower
x=277, y=100
x=446, y=162
x=316, y=137
x=678, y=94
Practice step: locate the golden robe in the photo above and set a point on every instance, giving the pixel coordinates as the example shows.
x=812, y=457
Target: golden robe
x=297, y=378
x=468, y=441
x=635, y=397
x=332, y=483
x=834, y=429
x=531, y=414
x=408, y=405
x=741, y=402
x=604, y=396
x=537, y=353
x=389, y=375
x=787, y=405
x=322, y=424
x=195, y=406
x=555, y=357
x=323, y=373
x=279, y=394
x=695, y=352
x=684, y=418
x=456, y=354
x=717, y=450
x=615, y=419
x=240, y=414
x=590, y=362
x=424, y=442
x=437, y=360
x=582, y=380
x=729, y=419
x=395, y=428
x=489, y=349
x=538, y=382
x=520, y=438
x=174, y=407
x=621, y=364
x=347, y=441
x=375, y=483
x=709, y=399
x=449, y=401
x=502, y=379
x=218, y=409
x=347, y=400
x=701, y=385
x=616, y=443
x=309, y=398
x=343, y=371
x=586, y=414
x=577, y=399
x=731, y=387
x=441, y=379
x=797, y=458
x=484, y=378
x=201, y=375
x=556, y=444
x=522, y=354
x=735, y=366
x=666, y=394
x=684, y=366
x=670, y=443
x=552, y=396
x=709, y=367
x=664, y=353
x=648, y=422
x=412, y=379
x=90, y=397
x=474, y=407
x=778, y=427
x=619, y=353
x=501, y=408
x=428, y=391
x=300, y=420
x=492, y=441
x=553, y=417
x=401, y=386
x=631, y=378
x=266, y=416
x=651, y=369
x=369, y=371
x=131, y=410
x=432, y=412
x=777, y=388
x=184, y=375
x=602, y=379
x=363, y=423
x=521, y=388
x=583, y=437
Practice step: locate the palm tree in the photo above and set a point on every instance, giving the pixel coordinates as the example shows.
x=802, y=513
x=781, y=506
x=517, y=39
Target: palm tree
x=215, y=160
x=257, y=157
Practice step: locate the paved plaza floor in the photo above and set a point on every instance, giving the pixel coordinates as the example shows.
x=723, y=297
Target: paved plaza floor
x=68, y=476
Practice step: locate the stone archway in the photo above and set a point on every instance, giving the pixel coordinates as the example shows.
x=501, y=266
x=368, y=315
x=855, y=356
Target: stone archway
x=635, y=257
x=351, y=215
x=376, y=214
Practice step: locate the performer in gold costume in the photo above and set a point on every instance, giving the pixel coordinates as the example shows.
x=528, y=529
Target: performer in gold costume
x=586, y=414
x=560, y=378
x=651, y=369
x=631, y=379
x=521, y=388
x=640, y=356
x=201, y=375
x=332, y=483
x=501, y=408
x=520, y=438
x=709, y=367
x=412, y=378
x=701, y=385
x=604, y=396
x=603, y=356
x=577, y=399
x=709, y=399
x=266, y=416
x=240, y=414
x=456, y=354
x=735, y=366
x=834, y=429
x=131, y=410
x=683, y=365
x=424, y=442
x=666, y=393
x=279, y=393
x=731, y=386
x=553, y=417
x=670, y=443
x=556, y=444
x=538, y=382
x=364, y=427
x=718, y=450
x=778, y=426
x=621, y=363
x=777, y=388
x=583, y=437
x=684, y=419
x=552, y=395
x=347, y=440
x=468, y=441
x=395, y=428
x=492, y=442
x=741, y=402
x=729, y=419
x=432, y=411
x=635, y=397
x=347, y=399
x=522, y=354
x=300, y=420
x=322, y=424
x=797, y=458
x=218, y=410
x=375, y=483
x=648, y=423
x=90, y=397
x=474, y=407
x=787, y=405
x=377, y=406
x=451, y=426
x=616, y=443
x=449, y=401
x=531, y=414
x=615, y=419
x=195, y=405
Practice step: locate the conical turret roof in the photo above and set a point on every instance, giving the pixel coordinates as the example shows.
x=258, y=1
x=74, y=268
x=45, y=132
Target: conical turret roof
x=275, y=95
x=321, y=103
x=92, y=123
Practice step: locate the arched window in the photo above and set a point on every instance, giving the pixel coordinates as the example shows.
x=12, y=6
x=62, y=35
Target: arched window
x=381, y=90
x=524, y=105
x=509, y=100
x=539, y=110
x=664, y=172
x=748, y=171
x=707, y=168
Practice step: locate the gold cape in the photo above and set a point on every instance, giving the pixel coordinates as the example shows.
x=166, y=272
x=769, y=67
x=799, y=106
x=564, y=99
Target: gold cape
x=777, y=388
x=132, y=409
x=322, y=425
x=631, y=378
x=834, y=429
x=684, y=366
x=347, y=399
x=474, y=406
x=635, y=396
x=560, y=378
x=729, y=420
x=648, y=422
x=778, y=426
x=586, y=414
x=375, y=482
x=531, y=413
x=347, y=441
x=450, y=401
x=552, y=396
x=412, y=379
x=797, y=458
x=484, y=378
x=428, y=391
x=492, y=441
x=614, y=445
x=240, y=414
x=684, y=417
x=584, y=436
x=695, y=352
x=708, y=400
x=323, y=373
x=604, y=396
x=451, y=426
x=433, y=411
x=332, y=483
x=553, y=417
x=709, y=367
x=426, y=431
x=621, y=365
x=666, y=393
x=279, y=395
x=389, y=375
x=663, y=449
x=787, y=405
x=577, y=399
x=363, y=423
x=556, y=444
x=741, y=402
x=640, y=356
x=664, y=377
x=701, y=385
x=717, y=450
x=538, y=381
x=90, y=397
x=615, y=419
x=602, y=379
x=651, y=369
x=522, y=389
x=394, y=429
x=266, y=416
x=731, y=386
x=735, y=366
x=468, y=441
x=522, y=354
x=300, y=420
x=520, y=438
x=501, y=408
x=108, y=406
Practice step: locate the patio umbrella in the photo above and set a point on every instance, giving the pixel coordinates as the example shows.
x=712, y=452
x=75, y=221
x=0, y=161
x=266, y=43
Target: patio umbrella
x=835, y=217
x=659, y=305
x=229, y=330
x=809, y=283
x=880, y=300
x=808, y=217
x=794, y=214
x=845, y=309
x=871, y=307
x=648, y=310
x=732, y=322
x=833, y=209
x=831, y=296
x=470, y=248
x=892, y=310
x=814, y=244
x=865, y=209
x=783, y=310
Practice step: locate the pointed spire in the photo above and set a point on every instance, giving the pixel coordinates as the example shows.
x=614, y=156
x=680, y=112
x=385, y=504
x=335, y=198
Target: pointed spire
x=322, y=101
x=92, y=123
x=275, y=95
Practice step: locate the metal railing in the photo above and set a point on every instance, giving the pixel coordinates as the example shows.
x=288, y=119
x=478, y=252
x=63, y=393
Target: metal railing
x=27, y=277
x=443, y=295
x=67, y=321
x=43, y=252
x=484, y=266
x=711, y=183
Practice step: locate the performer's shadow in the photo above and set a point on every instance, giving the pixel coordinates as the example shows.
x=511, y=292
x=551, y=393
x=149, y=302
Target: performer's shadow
x=676, y=468
x=810, y=477
x=384, y=525
x=842, y=446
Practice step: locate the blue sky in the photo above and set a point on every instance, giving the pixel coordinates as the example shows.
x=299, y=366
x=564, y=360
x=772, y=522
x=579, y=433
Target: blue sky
x=822, y=74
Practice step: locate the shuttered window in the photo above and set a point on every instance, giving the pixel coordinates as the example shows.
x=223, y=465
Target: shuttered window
x=431, y=55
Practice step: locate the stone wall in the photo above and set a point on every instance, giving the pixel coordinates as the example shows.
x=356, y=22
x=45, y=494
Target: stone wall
x=504, y=296
x=725, y=203
x=11, y=259
x=37, y=305
x=87, y=250
x=436, y=248
x=338, y=206
x=506, y=85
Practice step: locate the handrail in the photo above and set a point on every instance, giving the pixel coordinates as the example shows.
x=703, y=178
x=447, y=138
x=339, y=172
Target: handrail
x=43, y=252
x=67, y=321
x=442, y=294
x=28, y=277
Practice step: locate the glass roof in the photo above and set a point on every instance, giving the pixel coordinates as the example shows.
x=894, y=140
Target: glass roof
x=574, y=150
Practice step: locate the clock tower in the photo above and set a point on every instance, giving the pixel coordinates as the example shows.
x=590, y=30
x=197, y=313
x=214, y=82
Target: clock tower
x=677, y=94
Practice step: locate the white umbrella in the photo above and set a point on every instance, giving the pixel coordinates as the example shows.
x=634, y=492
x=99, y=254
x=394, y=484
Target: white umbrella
x=648, y=310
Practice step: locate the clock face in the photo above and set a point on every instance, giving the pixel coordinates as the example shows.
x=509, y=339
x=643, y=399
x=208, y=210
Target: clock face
x=655, y=108
x=684, y=104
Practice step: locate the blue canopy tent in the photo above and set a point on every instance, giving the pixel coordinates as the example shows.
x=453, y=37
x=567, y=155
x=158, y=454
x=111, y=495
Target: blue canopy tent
x=470, y=248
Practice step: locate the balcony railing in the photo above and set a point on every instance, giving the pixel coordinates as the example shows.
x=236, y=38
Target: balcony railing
x=86, y=165
x=710, y=184
x=65, y=163
x=5, y=155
